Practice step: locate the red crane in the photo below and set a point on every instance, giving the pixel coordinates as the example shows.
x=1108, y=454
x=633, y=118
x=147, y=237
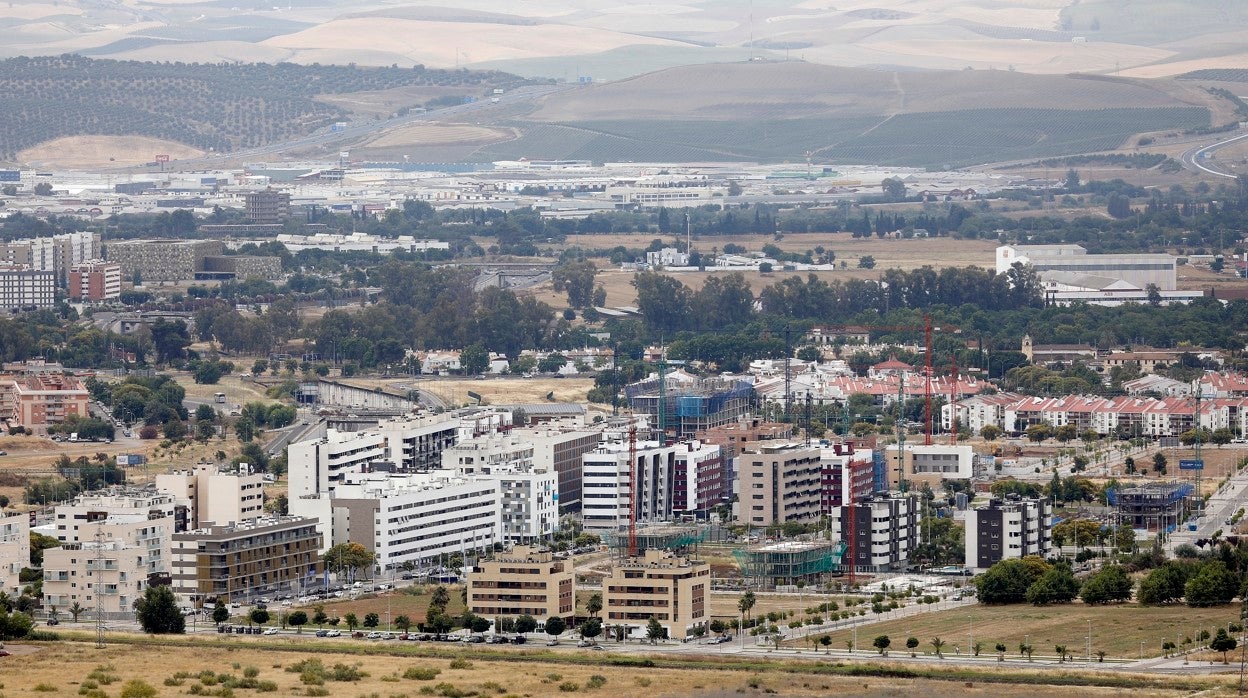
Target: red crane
x=953, y=398
x=632, y=489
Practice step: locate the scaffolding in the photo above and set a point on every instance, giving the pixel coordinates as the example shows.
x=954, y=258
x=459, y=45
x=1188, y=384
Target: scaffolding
x=683, y=540
x=685, y=407
x=1156, y=506
x=786, y=563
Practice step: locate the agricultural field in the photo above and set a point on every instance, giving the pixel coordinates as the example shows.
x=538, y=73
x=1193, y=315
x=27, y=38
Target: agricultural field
x=1116, y=629
x=929, y=139
x=288, y=667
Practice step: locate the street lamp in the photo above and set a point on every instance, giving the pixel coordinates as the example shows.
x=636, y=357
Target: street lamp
x=1089, y=641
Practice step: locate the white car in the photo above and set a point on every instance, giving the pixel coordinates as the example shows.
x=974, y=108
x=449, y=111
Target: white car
x=271, y=631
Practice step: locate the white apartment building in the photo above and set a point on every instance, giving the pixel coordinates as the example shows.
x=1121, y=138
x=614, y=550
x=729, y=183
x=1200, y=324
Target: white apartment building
x=112, y=570
x=605, y=499
x=560, y=451
x=214, y=497
x=884, y=531
x=22, y=288
x=14, y=551
x=1008, y=529
x=144, y=521
x=930, y=463
x=530, y=495
x=411, y=517
x=318, y=465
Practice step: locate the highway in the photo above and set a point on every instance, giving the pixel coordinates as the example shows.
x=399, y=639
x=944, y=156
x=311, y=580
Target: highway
x=355, y=130
x=1191, y=158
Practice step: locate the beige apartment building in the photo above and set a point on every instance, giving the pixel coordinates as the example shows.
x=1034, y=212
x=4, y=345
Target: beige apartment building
x=112, y=570
x=215, y=497
x=14, y=551
x=673, y=590
x=525, y=581
x=778, y=483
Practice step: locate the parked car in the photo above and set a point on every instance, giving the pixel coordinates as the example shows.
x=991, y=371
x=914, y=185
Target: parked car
x=498, y=640
x=374, y=635
x=475, y=639
x=322, y=633
x=272, y=631
x=5, y=653
x=334, y=633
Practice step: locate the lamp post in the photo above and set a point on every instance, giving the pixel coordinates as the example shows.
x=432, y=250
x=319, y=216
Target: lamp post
x=972, y=635
x=1089, y=641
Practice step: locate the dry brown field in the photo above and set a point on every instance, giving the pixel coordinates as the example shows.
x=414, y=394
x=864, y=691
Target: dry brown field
x=507, y=390
x=1116, y=629
x=63, y=669
x=103, y=152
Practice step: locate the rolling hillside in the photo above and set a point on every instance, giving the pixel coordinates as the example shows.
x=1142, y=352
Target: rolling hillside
x=216, y=107
x=782, y=111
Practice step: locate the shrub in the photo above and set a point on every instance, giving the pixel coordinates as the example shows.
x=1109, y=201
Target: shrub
x=174, y=681
x=569, y=687
x=596, y=681
x=45, y=688
x=251, y=672
x=420, y=673
x=136, y=688
x=461, y=663
x=316, y=691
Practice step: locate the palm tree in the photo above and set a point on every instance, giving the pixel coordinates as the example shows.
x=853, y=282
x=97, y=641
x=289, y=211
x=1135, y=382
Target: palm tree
x=76, y=610
x=1061, y=653
x=594, y=605
x=937, y=644
x=746, y=603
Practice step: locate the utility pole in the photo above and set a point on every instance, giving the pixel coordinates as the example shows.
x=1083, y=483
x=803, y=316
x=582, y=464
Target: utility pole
x=98, y=588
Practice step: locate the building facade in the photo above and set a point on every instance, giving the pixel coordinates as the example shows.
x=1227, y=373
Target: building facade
x=22, y=288
x=1008, y=529
x=525, y=581
x=610, y=496
x=214, y=497
x=14, y=551
x=95, y=282
x=779, y=483
x=40, y=400
x=239, y=562
x=672, y=590
x=161, y=260
x=108, y=574
x=883, y=532
x=267, y=207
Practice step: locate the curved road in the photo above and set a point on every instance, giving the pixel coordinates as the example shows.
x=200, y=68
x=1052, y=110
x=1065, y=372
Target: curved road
x=1191, y=158
x=353, y=131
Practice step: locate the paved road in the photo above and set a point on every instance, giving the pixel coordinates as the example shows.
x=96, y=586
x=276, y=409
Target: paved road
x=353, y=131
x=1222, y=504
x=1194, y=159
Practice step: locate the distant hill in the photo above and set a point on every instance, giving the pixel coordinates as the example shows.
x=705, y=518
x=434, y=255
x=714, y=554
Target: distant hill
x=782, y=111
x=208, y=106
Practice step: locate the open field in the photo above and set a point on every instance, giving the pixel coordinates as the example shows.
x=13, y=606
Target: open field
x=888, y=254
x=73, y=152
x=62, y=668
x=507, y=390
x=436, y=134
x=1118, y=630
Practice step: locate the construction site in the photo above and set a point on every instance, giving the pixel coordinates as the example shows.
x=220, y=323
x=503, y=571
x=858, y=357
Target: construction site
x=1156, y=506
x=790, y=563
x=681, y=405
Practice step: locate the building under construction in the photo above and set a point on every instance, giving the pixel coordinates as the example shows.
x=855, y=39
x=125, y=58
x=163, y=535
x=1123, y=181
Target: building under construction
x=679, y=539
x=786, y=563
x=681, y=406
x=1157, y=506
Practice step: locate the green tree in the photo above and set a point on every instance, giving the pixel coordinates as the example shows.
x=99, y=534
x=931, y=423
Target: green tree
x=348, y=558
x=746, y=603
x=1056, y=585
x=577, y=279
x=158, y=613
x=298, y=619
x=990, y=432
x=474, y=359
x=403, y=623
x=76, y=610
x=881, y=643
x=259, y=616
x=655, y=630
x=555, y=626
x=1108, y=584
x=1163, y=584
x=937, y=644
x=220, y=613
x=594, y=605
x=526, y=624
x=1212, y=585
x=1223, y=642
x=371, y=620
x=591, y=629
x=866, y=262
x=352, y=621
x=1159, y=463
x=1008, y=580
x=912, y=644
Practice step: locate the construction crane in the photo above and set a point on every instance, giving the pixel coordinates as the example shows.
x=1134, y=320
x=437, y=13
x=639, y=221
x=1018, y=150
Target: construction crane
x=632, y=488
x=953, y=398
